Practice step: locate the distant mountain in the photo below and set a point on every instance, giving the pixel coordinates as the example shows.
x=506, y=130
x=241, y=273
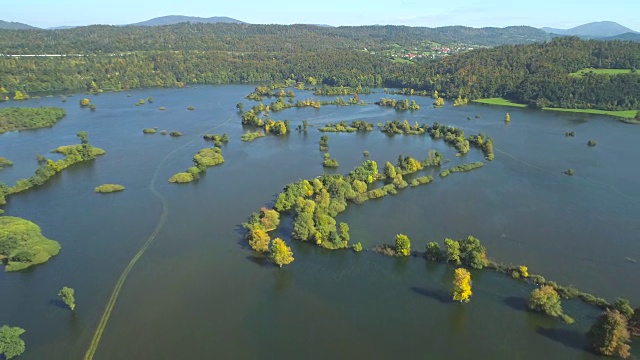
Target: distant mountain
x=62, y=27
x=15, y=25
x=631, y=36
x=554, y=30
x=176, y=19
x=601, y=29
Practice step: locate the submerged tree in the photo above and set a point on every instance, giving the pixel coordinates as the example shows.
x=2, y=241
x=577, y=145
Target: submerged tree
x=67, y=296
x=281, y=254
x=462, y=285
x=545, y=300
x=259, y=240
x=403, y=245
x=11, y=345
x=609, y=335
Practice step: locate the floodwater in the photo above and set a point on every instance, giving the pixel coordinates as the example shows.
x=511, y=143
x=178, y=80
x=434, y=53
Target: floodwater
x=199, y=293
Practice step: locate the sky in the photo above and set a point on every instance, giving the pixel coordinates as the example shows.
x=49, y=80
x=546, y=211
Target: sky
x=499, y=13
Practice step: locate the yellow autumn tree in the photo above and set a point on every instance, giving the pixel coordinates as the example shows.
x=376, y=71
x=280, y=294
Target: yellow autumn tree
x=259, y=240
x=85, y=102
x=462, y=285
x=20, y=96
x=524, y=271
x=281, y=254
x=507, y=118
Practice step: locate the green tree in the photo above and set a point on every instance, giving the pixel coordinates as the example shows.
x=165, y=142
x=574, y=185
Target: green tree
x=389, y=171
x=545, y=300
x=344, y=232
x=452, y=248
x=623, y=306
x=11, y=345
x=609, y=335
x=67, y=296
x=82, y=135
x=433, y=251
x=472, y=253
x=403, y=245
x=281, y=254
x=240, y=106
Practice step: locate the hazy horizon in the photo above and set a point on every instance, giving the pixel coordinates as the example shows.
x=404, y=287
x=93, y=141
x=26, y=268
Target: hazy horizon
x=499, y=13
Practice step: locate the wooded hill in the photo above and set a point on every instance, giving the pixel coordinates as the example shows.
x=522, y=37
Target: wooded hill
x=249, y=37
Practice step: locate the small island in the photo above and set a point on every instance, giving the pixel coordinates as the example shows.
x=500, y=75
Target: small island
x=22, y=244
x=205, y=158
x=4, y=162
x=109, y=188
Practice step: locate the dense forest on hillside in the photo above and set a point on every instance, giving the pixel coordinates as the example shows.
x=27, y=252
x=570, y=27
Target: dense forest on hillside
x=250, y=38
x=534, y=74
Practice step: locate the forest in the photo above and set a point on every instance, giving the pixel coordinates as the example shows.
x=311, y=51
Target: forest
x=103, y=39
x=537, y=74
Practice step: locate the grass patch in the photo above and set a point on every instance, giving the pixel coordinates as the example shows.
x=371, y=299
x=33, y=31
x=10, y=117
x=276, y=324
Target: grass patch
x=625, y=114
x=600, y=72
x=499, y=101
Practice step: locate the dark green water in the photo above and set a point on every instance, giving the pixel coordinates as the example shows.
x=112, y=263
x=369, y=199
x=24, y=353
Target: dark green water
x=197, y=293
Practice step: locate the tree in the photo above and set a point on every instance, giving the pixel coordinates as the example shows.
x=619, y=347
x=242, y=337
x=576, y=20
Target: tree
x=82, y=135
x=545, y=300
x=433, y=251
x=281, y=254
x=623, y=306
x=462, y=285
x=11, y=345
x=472, y=253
x=507, y=118
x=403, y=245
x=452, y=248
x=344, y=232
x=67, y=296
x=259, y=240
x=84, y=102
x=609, y=335
x=240, y=106
x=389, y=171
x=20, y=96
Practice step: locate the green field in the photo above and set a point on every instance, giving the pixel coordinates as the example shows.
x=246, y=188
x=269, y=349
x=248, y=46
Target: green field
x=499, y=101
x=600, y=72
x=626, y=114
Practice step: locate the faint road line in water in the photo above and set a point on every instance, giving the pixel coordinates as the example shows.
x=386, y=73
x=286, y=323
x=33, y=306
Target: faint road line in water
x=123, y=277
